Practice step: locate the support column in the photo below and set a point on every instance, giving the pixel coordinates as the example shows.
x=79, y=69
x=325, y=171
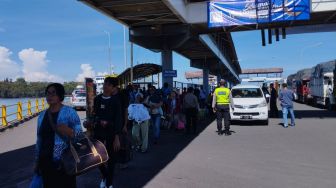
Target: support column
x=167, y=64
x=131, y=79
x=219, y=77
x=206, y=80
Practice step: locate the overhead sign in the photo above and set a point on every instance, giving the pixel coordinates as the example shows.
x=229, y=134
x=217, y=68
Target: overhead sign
x=169, y=73
x=244, y=12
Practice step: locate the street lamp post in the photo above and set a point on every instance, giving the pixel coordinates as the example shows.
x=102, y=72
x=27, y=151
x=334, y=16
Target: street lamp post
x=125, y=50
x=109, y=50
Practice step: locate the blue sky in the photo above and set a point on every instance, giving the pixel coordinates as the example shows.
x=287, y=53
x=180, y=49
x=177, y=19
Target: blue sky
x=62, y=35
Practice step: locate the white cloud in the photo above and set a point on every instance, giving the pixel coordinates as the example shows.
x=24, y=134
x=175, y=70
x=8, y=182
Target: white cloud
x=8, y=68
x=87, y=72
x=102, y=73
x=35, y=66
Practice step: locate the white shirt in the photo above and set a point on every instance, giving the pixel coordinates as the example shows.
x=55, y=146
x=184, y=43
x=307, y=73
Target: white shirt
x=138, y=113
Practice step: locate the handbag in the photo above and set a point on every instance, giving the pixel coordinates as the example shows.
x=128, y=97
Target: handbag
x=81, y=155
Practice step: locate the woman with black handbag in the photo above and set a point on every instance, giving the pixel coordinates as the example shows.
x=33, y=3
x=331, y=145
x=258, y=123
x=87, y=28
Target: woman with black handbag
x=56, y=126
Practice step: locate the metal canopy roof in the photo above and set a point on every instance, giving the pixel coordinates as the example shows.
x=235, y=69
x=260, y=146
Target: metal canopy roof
x=140, y=71
x=262, y=71
x=195, y=75
x=135, y=12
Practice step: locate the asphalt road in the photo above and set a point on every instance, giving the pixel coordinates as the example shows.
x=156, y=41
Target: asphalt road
x=259, y=156
x=255, y=156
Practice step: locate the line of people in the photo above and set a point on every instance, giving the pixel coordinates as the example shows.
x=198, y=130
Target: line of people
x=115, y=113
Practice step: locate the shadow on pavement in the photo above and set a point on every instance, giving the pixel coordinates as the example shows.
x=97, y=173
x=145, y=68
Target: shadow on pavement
x=144, y=167
x=299, y=114
x=302, y=114
x=17, y=166
x=248, y=123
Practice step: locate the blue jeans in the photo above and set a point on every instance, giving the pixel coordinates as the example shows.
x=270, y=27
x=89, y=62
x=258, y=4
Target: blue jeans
x=285, y=110
x=156, y=121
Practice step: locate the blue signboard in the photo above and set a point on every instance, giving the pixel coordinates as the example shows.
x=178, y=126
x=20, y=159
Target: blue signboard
x=169, y=73
x=245, y=12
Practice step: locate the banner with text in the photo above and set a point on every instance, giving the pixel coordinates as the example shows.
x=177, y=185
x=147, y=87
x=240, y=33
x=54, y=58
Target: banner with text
x=245, y=12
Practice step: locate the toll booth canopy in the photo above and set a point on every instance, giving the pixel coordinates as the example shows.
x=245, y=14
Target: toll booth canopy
x=139, y=71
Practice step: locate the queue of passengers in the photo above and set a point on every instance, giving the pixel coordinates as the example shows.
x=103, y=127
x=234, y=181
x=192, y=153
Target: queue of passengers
x=116, y=112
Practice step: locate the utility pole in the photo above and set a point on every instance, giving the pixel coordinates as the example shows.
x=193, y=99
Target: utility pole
x=131, y=62
x=109, y=51
x=125, y=48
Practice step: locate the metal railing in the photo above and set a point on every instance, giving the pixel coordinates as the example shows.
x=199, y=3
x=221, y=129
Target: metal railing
x=20, y=112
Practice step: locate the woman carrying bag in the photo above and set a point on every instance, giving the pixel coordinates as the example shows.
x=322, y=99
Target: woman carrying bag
x=56, y=127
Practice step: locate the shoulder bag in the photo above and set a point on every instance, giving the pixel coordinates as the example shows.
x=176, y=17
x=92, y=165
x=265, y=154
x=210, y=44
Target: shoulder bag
x=81, y=155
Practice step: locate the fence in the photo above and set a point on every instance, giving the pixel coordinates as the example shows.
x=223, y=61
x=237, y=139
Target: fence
x=22, y=111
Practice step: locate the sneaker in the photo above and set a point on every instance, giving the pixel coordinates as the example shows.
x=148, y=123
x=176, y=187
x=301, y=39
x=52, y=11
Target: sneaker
x=227, y=132
x=110, y=186
x=292, y=125
x=102, y=183
x=285, y=126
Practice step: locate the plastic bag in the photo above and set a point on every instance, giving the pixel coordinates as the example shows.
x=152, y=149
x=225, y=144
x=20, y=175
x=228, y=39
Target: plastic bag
x=36, y=182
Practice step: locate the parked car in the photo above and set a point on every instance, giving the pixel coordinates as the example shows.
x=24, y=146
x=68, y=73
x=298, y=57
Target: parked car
x=248, y=103
x=78, y=99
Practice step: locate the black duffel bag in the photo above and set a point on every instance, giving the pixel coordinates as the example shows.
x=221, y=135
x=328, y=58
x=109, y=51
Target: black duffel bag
x=83, y=154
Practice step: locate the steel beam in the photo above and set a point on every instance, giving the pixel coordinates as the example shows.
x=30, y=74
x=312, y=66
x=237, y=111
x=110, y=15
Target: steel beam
x=207, y=40
x=128, y=3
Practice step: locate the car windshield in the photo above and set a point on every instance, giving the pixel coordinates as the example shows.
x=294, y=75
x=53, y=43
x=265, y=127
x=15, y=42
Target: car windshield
x=80, y=95
x=246, y=93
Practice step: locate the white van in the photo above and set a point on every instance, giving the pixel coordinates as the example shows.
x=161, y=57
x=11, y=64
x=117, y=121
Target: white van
x=248, y=103
x=78, y=99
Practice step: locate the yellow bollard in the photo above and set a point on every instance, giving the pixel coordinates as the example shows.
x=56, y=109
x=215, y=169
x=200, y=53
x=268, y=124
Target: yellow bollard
x=19, y=111
x=3, y=116
x=43, y=104
x=37, y=106
x=29, y=109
